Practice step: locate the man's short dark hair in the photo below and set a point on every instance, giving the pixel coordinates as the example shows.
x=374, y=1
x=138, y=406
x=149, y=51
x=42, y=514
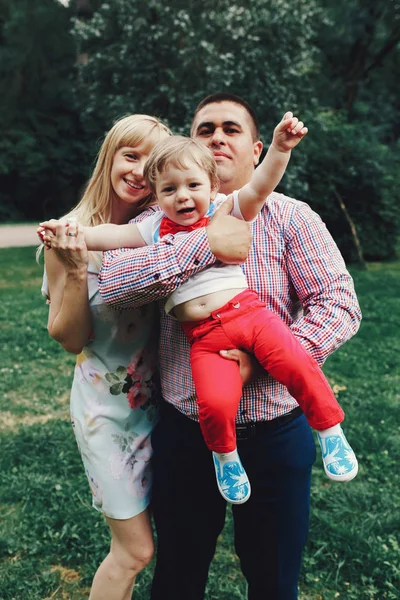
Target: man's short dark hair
x=228, y=97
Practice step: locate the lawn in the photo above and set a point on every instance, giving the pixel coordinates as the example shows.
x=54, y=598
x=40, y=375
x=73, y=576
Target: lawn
x=50, y=538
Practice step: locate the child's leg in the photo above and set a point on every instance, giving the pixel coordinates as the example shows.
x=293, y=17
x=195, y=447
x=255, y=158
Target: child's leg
x=340, y=462
x=219, y=389
x=285, y=359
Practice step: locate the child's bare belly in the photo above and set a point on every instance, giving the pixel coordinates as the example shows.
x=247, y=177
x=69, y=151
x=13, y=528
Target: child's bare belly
x=202, y=307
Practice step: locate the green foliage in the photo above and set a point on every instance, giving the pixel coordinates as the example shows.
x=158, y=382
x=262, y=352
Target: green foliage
x=163, y=58
x=67, y=73
x=41, y=146
x=345, y=161
x=360, y=58
x=51, y=540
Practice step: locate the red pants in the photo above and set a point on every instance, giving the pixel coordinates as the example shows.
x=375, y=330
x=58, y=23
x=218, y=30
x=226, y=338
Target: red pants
x=245, y=323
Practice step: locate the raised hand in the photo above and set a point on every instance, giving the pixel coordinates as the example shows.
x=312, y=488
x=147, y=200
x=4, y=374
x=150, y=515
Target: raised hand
x=288, y=133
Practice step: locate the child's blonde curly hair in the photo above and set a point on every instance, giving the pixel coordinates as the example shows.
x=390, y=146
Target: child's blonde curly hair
x=179, y=151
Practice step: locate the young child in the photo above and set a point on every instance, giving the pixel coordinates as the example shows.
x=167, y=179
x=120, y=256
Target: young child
x=219, y=312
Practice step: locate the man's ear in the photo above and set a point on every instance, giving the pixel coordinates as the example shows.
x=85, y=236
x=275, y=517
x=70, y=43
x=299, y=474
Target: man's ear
x=214, y=190
x=257, y=149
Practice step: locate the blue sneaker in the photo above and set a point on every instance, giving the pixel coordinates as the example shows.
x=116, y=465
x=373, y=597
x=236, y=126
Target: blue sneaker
x=340, y=462
x=232, y=480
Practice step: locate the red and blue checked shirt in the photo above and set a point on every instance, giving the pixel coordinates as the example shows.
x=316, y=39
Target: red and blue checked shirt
x=294, y=265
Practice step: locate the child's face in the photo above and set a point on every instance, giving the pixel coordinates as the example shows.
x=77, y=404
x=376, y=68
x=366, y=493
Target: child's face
x=184, y=195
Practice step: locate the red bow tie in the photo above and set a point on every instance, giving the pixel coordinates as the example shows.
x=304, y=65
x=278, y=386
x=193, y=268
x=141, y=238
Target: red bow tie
x=168, y=226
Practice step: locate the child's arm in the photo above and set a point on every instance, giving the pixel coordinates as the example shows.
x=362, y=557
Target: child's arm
x=109, y=236
x=287, y=134
x=102, y=237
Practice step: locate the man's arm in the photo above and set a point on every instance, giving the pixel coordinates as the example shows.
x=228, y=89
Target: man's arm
x=130, y=278
x=324, y=286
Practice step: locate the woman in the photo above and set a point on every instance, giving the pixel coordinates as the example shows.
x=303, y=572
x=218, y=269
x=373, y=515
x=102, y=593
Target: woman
x=114, y=386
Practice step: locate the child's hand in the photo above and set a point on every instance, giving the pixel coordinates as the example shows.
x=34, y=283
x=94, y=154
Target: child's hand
x=47, y=231
x=288, y=133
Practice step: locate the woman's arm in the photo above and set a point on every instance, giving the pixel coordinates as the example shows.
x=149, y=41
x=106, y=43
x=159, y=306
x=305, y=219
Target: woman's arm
x=69, y=320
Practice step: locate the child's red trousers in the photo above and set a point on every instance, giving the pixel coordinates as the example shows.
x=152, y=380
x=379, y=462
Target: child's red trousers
x=245, y=323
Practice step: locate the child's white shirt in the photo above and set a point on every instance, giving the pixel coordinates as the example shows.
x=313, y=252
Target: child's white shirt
x=216, y=278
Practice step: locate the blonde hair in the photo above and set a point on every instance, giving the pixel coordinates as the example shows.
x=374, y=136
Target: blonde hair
x=96, y=204
x=179, y=151
x=95, y=207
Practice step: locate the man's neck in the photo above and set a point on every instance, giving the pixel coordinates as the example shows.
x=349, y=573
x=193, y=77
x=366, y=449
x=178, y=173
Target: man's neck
x=229, y=187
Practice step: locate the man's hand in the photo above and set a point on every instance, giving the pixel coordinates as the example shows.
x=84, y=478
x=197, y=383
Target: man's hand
x=249, y=366
x=288, y=133
x=229, y=237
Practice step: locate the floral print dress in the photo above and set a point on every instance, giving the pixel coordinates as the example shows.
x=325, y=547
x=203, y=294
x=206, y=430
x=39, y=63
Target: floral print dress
x=113, y=403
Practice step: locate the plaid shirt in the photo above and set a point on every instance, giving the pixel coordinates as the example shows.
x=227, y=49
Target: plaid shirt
x=294, y=265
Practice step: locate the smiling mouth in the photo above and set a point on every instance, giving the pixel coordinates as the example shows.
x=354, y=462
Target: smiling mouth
x=134, y=186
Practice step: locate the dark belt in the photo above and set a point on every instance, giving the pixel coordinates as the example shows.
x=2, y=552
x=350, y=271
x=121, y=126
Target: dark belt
x=246, y=431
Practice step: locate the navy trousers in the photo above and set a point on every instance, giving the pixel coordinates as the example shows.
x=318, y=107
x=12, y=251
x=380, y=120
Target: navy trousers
x=271, y=528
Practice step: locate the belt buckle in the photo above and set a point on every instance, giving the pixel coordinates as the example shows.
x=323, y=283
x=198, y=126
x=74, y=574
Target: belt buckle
x=241, y=432
x=245, y=431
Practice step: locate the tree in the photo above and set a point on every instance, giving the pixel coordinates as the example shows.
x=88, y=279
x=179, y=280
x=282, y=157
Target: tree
x=41, y=143
x=162, y=58
x=359, y=40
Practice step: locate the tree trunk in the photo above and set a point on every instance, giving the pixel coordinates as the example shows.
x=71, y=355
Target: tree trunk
x=353, y=230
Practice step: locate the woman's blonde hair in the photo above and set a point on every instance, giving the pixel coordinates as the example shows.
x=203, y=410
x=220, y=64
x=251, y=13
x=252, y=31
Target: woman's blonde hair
x=179, y=151
x=96, y=204
x=95, y=207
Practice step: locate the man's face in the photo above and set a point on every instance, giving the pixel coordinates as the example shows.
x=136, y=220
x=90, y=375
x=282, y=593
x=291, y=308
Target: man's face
x=226, y=128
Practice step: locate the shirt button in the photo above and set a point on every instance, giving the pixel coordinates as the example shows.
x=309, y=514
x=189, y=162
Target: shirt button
x=196, y=261
x=157, y=276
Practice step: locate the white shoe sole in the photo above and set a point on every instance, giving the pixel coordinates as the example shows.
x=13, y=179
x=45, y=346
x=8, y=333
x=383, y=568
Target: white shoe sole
x=344, y=478
x=242, y=501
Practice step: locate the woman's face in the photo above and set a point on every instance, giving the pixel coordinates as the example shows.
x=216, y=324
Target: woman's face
x=127, y=173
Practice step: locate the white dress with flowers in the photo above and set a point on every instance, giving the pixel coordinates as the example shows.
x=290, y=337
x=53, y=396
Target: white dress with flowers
x=113, y=404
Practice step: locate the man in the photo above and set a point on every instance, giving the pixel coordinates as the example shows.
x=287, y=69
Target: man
x=296, y=268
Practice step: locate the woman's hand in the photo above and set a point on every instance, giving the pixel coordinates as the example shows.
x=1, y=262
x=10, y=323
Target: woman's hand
x=65, y=237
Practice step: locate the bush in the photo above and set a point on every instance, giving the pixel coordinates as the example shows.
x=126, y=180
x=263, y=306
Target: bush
x=43, y=155
x=346, y=160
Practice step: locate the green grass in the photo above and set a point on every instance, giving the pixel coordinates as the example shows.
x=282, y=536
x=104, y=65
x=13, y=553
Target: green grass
x=51, y=540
